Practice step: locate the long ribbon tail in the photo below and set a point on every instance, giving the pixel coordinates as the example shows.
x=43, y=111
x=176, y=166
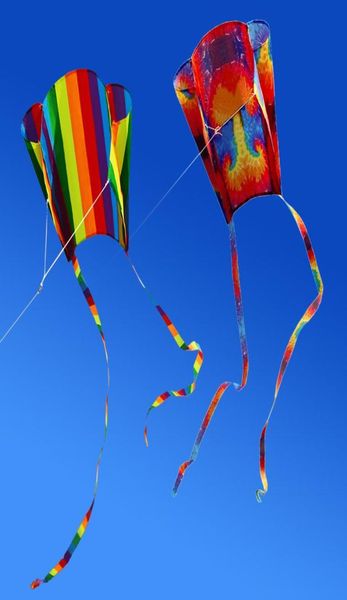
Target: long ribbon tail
x=192, y=347
x=61, y=564
x=307, y=316
x=245, y=361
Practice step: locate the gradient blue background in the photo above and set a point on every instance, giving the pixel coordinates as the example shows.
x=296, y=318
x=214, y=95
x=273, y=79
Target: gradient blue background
x=213, y=540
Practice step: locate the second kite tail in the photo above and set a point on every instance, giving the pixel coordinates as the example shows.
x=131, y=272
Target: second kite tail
x=61, y=564
x=288, y=353
x=244, y=355
x=191, y=347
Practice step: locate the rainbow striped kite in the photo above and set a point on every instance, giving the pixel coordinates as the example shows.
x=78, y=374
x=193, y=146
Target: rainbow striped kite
x=79, y=143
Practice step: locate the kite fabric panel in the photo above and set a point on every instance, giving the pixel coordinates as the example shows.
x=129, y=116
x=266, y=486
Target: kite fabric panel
x=78, y=140
x=227, y=88
x=226, y=91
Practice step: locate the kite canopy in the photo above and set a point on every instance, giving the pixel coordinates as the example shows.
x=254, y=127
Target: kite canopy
x=78, y=140
x=227, y=87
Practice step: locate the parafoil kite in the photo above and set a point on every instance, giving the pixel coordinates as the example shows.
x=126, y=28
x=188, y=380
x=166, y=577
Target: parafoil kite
x=79, y=143
x=226, y=91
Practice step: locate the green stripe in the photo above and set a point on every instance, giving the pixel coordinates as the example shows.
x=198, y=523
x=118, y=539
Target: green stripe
x=37, y=167
x=58, y=149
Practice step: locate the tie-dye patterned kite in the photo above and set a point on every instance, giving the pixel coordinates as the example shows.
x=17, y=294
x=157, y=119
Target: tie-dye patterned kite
x=226, y=91
x=79, y=143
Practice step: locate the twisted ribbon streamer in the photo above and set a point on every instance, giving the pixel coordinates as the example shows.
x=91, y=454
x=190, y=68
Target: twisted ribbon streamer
x=192, y=347
x=245, y=362
x=288, y=353
x=61, y=564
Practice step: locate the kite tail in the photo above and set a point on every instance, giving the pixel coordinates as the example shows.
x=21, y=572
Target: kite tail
x=192, y=347
x=245, y=362
x=61, y=564
x=307, y=316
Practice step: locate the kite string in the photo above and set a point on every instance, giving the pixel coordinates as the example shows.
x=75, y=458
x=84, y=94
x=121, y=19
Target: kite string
x=45, y=270
x=38, y=291
x=46, y=240
x=21, y=314
x=172, y=186
x=217, y=131
x=53, y=263
x=193, y=346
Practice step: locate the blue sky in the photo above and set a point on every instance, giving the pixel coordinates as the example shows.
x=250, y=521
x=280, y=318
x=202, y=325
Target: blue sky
x=213, y=540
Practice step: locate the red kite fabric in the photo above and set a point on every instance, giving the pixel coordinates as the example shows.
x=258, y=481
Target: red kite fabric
x=226, y=91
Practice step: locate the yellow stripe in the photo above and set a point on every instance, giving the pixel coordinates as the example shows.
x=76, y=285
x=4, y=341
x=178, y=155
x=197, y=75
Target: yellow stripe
x=115, y=167
x=179, y=341
x=70, y=158
x=36, y=147
x=122, y=137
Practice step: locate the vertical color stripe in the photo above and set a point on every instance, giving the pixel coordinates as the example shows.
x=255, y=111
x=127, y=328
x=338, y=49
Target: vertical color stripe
x=61, y=564
x=74, y=147
x=70, y=157
x=80, y=150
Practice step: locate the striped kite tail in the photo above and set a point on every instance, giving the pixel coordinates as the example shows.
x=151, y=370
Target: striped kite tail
x=61, y=564
x=191, y=347
x=288, y=353
x=244, y=354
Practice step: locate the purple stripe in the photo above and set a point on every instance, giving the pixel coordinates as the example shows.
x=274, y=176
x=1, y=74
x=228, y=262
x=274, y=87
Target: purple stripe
x=118, y=102
x=31, y=132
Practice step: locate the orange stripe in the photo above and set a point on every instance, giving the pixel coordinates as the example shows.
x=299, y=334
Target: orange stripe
x=81, y=157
